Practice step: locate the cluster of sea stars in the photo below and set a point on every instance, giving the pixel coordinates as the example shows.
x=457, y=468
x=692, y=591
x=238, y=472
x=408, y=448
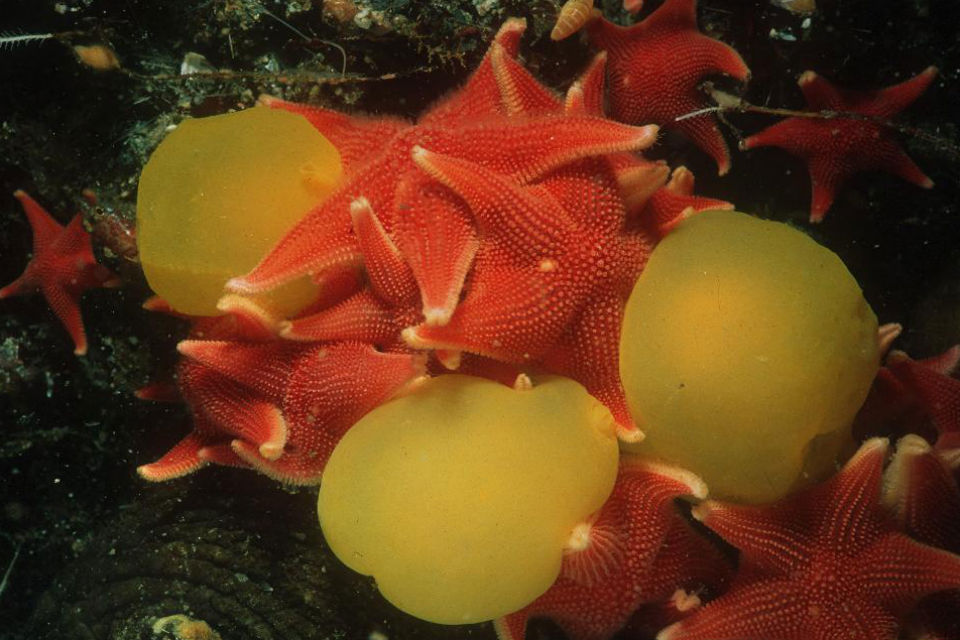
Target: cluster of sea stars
x=501, y=233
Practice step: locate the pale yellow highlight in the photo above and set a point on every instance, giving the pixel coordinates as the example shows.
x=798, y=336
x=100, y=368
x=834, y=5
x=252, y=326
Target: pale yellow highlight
x=459, y=497
x=218, y=193
x=746, y=351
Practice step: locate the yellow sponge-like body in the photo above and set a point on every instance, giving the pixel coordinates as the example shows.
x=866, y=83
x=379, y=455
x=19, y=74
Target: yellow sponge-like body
x=747, y=348
x=460, y=497
x=218, y=193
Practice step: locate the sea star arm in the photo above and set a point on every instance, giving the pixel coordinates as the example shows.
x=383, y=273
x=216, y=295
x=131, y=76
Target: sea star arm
x=262, y=367
x=232, y=410
x=839, y=147
x=746, y=614
x=323, y=239
x=356, y=138
x=513, y=314
x=585, y=95
x=436, y=237
x=589, y=352
x=45, y=229
x=767, y=536
x=937, y=392
x=524, y=149
x=66, y=306
x=524, y=219
x=673, y=203
x=326, y=389
x=363, y=317
x=250, y=320
x=892, y=100
x=528, y=148
x=897, y=571
x=680, y=16
x=389, y=275
x=520, y=92
x=821, y=94
x=638, y=180
x=182, y=459
x=609, y=558
x=922, y=491
x=848, y=511
x=330, y=388
x=480, y=95
x=703, y=131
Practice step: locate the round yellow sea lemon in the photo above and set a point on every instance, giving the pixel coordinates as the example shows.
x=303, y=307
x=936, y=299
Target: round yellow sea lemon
x=459, y=497
x=747, y=349
x=218, y=193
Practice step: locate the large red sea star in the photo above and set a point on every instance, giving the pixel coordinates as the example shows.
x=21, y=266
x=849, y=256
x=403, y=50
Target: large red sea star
x=828, y=561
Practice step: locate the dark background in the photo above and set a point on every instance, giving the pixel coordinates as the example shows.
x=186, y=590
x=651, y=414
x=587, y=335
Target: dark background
x=71, y=434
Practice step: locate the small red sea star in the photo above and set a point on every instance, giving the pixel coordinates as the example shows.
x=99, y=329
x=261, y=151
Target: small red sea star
x=62, y=268
x=837, y=148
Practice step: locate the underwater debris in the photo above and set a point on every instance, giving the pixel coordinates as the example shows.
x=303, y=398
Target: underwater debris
x=6, y=574
x=10, y=40
x=98, y=57
x=800, y=7
x=183, y=627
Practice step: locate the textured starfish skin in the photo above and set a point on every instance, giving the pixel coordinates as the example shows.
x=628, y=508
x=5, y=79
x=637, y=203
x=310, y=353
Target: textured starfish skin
x=62, y=268
x=828, y=562
x=916, y=397
x=921, y=487
x=836, y=148
x=272, y=405
x=501, y=209
x=633, y=551
x=277, y=407
x=655, y=67
x=502, y=232
x=935, y=390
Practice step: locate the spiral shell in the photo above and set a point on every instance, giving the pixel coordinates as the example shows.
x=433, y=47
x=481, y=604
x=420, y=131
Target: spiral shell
x=572, y=16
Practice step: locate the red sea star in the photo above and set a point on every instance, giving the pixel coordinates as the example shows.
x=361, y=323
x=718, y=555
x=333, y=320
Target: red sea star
x=836, y=148
x=824, y=563
x=62, y=268
x=636, y=550
x=655, y=68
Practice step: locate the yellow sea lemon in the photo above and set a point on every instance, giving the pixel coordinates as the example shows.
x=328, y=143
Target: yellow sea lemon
x=746, y=350
x=218, y=193
x=460, y=497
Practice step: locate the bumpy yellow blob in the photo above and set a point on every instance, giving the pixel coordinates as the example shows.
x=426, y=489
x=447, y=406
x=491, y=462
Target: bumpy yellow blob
x=460, y=497
x=746, y=350
x=218, y=193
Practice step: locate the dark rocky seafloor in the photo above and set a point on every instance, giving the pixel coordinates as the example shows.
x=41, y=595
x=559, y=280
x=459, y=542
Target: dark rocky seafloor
x=88, y=549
